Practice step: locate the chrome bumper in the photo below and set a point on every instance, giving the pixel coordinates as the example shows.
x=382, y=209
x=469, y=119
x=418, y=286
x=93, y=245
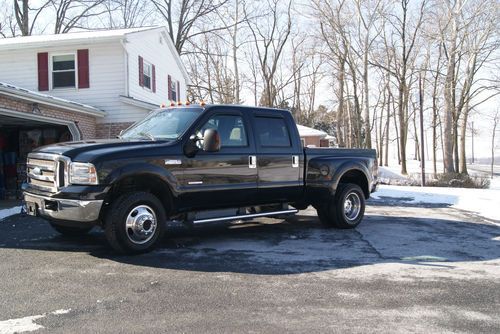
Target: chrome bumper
x=63, y=209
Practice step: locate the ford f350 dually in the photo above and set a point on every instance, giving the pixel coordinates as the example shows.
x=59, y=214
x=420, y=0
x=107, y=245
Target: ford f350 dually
x=196, y=164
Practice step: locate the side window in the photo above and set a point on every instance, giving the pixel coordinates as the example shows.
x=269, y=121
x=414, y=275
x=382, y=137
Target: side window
x=272, y=132
x=231, y=130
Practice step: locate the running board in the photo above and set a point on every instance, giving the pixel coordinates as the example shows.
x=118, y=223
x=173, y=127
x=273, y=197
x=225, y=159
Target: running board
x=250, y=215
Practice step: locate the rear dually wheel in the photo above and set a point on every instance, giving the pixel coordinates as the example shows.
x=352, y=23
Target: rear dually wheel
x=345, y=209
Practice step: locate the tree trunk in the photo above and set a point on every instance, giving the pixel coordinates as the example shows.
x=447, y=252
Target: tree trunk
x=235, y=56
x=368, y=139
x=449, y=93
x=386, y=158
x=463, y=133
x=495, y=123
x=340, y=109
x=402, y=127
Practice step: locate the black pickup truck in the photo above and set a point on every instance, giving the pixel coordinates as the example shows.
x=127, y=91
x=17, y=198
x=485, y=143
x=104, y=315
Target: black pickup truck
x=196, y=164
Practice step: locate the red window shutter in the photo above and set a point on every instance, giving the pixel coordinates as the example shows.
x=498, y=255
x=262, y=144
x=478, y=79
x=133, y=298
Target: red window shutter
x=43, y=71
x=169, y=87
x=178, y=91
x=153, y=74
x=141, y=72
x=83, y=68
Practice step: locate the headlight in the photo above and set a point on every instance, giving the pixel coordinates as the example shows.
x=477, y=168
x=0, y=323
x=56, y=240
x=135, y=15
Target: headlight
x=82, y=173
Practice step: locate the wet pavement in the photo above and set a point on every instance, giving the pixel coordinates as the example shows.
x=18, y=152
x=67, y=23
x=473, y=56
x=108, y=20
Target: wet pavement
x=405, y=268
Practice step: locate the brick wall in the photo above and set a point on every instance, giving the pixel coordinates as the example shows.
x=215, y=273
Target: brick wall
x=110, y=130
x=311, y=140
x=85, y=123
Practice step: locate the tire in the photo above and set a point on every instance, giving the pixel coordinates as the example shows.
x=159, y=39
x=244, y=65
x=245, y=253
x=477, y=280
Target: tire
x=345, y=209
x=71, y=231
x=135, y=223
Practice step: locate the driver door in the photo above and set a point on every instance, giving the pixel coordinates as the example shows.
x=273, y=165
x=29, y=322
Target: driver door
x=223, y=178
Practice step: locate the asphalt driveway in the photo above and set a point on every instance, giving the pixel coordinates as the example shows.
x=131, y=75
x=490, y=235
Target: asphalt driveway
x=405, y=268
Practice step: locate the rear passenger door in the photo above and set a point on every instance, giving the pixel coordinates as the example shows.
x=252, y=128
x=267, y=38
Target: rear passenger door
x=278, y=158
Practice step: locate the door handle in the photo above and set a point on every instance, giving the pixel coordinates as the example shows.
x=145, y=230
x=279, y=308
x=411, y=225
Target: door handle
x=295, y=161
x=252, y=161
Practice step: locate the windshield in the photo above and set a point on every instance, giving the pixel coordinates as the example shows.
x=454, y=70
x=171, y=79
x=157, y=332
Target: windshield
x=163, y=124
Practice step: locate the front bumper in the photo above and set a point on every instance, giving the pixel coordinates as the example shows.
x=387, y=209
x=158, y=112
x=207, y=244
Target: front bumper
x=63, y=209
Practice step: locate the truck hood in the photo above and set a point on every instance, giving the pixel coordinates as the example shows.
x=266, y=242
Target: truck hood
x=88, y=150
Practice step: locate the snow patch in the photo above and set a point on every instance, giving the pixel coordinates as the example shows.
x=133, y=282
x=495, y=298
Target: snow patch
x=484, y=202
x=26, y=324
x=4, y=213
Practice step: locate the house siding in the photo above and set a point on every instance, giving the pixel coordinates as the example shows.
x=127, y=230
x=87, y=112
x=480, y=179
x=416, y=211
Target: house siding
x=106, y=78
x=153, y=48
x=113, y=72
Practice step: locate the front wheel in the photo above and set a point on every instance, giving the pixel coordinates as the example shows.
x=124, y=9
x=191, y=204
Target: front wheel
x=345, y=209
x=135, y=223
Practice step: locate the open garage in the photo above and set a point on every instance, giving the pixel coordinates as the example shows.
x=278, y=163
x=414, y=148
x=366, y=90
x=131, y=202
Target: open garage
x=29, y=120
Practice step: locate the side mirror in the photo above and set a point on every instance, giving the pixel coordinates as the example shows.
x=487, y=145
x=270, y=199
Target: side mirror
x=190, y=148
x=211, y=141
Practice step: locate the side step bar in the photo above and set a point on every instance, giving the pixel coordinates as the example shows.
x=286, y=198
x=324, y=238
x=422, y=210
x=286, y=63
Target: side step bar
x=250, y=215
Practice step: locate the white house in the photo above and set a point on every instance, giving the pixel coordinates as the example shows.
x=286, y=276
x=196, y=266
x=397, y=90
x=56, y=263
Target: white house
x=80, y=86
x=124, y=73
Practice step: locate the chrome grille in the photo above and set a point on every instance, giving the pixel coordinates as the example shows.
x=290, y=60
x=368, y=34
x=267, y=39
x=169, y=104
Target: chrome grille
x=42, y=171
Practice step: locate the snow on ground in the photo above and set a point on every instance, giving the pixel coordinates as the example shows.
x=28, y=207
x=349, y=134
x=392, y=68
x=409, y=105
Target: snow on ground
x=26, y=324
x=9, y=212
x=484, y=202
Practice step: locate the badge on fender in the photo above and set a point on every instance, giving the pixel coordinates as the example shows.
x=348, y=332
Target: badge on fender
x=173, y=162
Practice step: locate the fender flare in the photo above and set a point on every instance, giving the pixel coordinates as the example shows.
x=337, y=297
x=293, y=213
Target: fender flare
x=143, y=169
x=346, y=167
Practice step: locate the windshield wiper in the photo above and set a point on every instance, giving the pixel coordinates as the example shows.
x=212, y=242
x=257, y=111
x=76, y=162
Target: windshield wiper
x=148, y=135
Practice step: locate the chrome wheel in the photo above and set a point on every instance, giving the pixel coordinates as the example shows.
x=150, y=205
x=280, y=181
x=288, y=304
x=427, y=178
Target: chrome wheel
x=141, y=224
x=352, y=206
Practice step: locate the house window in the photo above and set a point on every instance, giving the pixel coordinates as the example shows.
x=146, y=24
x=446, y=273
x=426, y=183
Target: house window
x=147, y=74
x=173, y=90
x=63, y=71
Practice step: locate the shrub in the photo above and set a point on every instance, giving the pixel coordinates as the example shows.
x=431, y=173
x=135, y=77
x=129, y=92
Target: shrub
x=454, y=180
x=457, y=180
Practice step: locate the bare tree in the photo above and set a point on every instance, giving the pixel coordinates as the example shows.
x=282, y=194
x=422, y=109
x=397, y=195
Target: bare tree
x=269, y=40
x=405, y=45
x=129, y=13
x=182, y=17
x=368, y=15
x=26, y=16
x=8, y=23
x=496, y=120
x=70, y=14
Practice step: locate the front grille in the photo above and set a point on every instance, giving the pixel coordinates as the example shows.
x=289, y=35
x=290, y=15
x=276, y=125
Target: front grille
x=43, y=171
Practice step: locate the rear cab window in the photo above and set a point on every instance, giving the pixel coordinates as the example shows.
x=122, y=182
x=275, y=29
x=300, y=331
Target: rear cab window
x=272, y=132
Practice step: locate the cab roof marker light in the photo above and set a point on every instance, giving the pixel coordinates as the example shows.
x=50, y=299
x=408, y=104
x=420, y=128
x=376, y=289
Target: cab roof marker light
x=179, y=103
x=187, y=103
x=202, y=103
x=172, y=104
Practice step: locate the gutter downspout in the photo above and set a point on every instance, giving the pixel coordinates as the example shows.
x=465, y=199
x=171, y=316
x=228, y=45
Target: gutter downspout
x=125, y=56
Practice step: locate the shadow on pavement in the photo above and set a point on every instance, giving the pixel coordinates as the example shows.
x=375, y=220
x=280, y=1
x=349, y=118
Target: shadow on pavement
x=297, y=245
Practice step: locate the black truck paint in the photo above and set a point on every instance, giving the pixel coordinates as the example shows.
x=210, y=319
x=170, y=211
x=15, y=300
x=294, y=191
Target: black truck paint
x=186, y=179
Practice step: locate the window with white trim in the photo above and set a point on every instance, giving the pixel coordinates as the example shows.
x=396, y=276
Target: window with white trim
x=147, y=74
x=63, y=71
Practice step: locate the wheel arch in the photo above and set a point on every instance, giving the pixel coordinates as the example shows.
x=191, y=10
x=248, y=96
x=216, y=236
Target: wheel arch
x=353, y=173
x=143, y=177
